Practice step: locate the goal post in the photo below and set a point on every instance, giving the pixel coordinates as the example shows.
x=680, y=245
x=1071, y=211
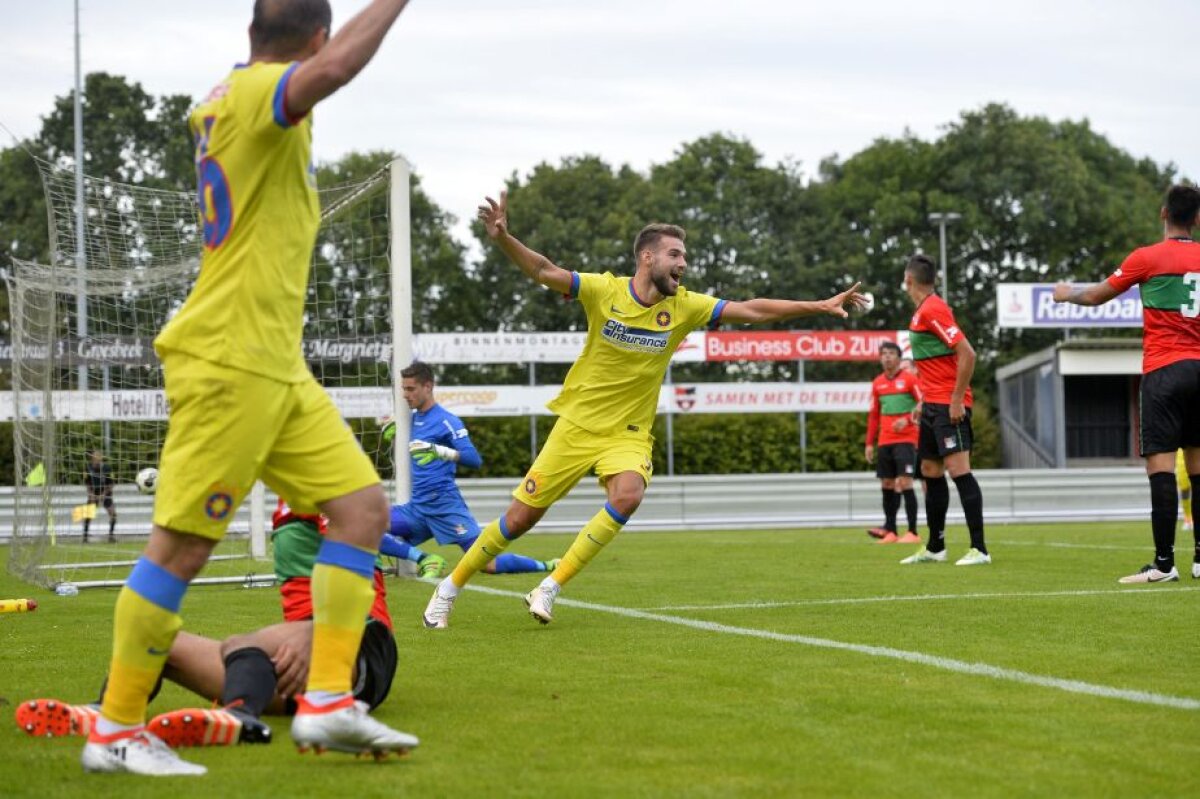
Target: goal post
x=143, y=252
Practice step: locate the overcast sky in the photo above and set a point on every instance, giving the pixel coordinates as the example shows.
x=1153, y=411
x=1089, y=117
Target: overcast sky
x=470, y=90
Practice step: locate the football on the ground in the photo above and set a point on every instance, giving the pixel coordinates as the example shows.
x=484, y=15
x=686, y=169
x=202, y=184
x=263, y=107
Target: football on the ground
x=147, y=480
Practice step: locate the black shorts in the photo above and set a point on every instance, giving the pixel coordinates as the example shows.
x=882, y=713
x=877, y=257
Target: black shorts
x=1171, y=408
x=377, y=659
x=896, y=460
x=103, y=500
x=940, y=436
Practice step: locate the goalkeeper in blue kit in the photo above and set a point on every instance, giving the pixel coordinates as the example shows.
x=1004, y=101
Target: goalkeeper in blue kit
x=439, y=443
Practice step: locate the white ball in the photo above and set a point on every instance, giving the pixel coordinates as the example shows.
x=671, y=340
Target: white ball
x=147, y=480
x=868, y=303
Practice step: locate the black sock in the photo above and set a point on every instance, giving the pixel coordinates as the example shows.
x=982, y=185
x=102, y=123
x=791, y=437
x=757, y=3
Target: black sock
x=112, y=525
x=1164, y=515
x=891, y=504
x=910, y=509
x=87, y=523
x=1195, y=481
x=937, y=502
x=972, y=502
x=249, y=679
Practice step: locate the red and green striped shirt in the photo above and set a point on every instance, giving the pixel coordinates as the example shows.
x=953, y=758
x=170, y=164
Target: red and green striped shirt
x=1169, y=276
x=932, y=334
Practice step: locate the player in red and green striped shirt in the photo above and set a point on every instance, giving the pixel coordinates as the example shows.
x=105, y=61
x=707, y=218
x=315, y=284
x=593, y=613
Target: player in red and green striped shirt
x=1169, y=276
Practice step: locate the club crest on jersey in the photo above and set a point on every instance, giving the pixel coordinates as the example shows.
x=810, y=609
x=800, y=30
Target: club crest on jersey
x=530, y=485
x=663, y=319
x=635, y=339
x=219, y=504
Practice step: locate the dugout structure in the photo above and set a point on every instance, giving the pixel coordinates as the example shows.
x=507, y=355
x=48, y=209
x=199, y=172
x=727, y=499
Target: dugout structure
x=85, y=375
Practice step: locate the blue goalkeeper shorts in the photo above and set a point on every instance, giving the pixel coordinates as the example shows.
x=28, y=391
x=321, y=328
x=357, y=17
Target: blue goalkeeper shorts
x=448, y=520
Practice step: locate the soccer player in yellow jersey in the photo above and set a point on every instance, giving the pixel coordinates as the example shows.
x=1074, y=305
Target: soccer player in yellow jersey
x=243, y=405
x=610, y=396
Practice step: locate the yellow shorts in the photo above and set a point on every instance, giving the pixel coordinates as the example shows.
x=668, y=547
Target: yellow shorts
x=228, y=428
x=571, y=452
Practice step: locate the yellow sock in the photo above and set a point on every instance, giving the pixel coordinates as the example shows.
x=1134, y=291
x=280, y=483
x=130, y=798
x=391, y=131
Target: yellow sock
x=491, y=542
x=142, y=636
x=342, y=596
x=599, y=531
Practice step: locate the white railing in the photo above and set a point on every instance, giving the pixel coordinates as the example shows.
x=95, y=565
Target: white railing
x=732, y=501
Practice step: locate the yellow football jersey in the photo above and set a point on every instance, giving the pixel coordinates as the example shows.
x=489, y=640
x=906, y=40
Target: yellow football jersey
x=612, y=389
x=259, y=214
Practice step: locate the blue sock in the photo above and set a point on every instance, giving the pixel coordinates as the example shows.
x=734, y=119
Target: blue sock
x=515, y=564
x=395, y=547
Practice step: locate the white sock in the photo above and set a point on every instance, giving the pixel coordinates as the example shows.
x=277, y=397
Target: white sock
x=551, y=585
x=323, y=698
x=447, y=588
x=106, y=727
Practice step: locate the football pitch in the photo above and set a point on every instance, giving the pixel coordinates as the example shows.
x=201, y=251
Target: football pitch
x=734, y=663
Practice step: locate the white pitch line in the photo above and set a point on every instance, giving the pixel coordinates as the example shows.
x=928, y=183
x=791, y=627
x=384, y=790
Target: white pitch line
x=1062, y=545
x=919, y=598
x=920, y=658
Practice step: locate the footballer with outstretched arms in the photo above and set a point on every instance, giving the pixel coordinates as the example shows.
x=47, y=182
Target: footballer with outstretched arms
x=1168, y=274
x=610, y=396
x=249, y=674
x=438, y=444
x=893, y=424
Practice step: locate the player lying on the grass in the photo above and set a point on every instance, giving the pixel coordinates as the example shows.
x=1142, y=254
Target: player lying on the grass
x=438, y=443
x=893, y=422
x=1169, y=276
x=252, y=673
x=610, y=396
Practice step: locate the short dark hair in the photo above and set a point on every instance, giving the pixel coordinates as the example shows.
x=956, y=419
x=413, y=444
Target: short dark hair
x=922, y=268
x=650, y=235
x=889, y=345
x=1182, y=204
x=421, y=371
x=281, y=27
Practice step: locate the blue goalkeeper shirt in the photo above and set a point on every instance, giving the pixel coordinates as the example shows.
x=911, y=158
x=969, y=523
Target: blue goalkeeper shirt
x=435, y=480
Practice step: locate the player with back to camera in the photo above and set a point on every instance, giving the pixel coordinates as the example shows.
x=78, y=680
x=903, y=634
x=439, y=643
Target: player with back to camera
x=438, y=444
x=243, y=404
x=1169, y=276
x=892, y=422
x=945, y=363
x=610, y=396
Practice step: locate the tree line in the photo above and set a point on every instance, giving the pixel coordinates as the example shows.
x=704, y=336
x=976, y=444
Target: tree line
x=1040, y=200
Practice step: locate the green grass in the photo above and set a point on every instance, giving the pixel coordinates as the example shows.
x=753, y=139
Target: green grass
x=600, y=704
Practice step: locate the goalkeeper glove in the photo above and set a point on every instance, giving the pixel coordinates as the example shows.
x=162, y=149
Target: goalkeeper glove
x=425, y=453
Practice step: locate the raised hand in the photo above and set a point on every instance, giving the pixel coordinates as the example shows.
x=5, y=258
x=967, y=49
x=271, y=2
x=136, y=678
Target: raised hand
x=494, y=216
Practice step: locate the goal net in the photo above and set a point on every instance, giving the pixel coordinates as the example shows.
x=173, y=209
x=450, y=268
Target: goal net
x=86, y=379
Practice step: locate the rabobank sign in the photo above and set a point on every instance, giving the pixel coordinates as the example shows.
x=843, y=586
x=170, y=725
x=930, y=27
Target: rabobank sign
x=1033, y=305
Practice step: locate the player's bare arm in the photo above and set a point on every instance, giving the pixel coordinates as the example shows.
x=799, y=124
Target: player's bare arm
x=1095, y=294
x=336, y=63
x=964, y=355
x=537, y=267
x=765, y=310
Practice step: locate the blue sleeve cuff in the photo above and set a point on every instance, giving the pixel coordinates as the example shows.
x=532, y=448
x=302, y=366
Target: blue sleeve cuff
x=574, y=290
x=715, y=319
x=279, y=104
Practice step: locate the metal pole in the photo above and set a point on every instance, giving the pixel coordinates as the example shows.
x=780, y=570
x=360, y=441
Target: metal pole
x=942, y=250
x=533, y=433
x=81, y=310
x=670, y=424
x=400, y=223
x=803, y=422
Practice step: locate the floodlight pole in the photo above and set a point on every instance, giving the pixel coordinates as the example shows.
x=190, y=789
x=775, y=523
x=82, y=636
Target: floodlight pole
x=941, y=219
